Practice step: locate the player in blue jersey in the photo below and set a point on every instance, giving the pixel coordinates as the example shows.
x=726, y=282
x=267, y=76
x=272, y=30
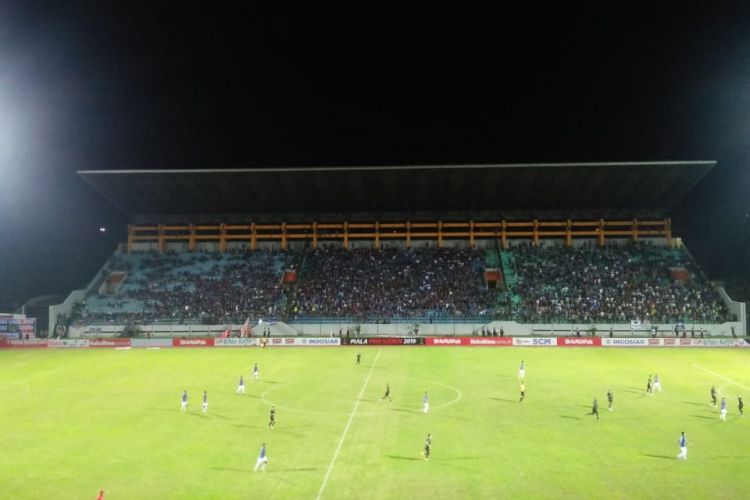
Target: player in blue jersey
x=657, y=383
x=723, y=415
x=241, y=386
x=713, y=395
x=427, y=446
x=184, y=401
x=256, y=371
x=387, y=394
x=262, y=459
x=610, y=400
x=740, y=406
x=204, y=406
x=425, y=402
x=683, y=446
x=521, y=371
x=272, y=418
x=595, y=409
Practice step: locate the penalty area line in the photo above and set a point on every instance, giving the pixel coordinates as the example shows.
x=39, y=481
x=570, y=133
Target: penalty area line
x=719, y=375
x=346, y=429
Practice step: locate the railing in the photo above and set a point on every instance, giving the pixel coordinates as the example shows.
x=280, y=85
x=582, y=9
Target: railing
x=406, y=232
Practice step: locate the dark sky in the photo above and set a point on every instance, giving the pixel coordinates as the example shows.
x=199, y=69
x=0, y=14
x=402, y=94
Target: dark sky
x=110, y=85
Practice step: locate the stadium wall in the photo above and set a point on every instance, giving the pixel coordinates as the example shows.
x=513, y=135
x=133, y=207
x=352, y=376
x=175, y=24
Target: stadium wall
x=509, y=329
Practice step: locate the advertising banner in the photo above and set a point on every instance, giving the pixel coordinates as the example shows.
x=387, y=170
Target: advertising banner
x=151, y=342
x=319, y=341
x=236, y=342
x=386, y=341
x=470, y=341
x=535, y=341
x=579, y=341
x=209, y=342
x=626, y=342
x=109, y=343
x=31, y=343
x=68, y=343
x=14, y=328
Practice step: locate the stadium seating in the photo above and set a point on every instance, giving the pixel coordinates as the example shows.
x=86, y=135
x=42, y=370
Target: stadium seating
x=545, y=284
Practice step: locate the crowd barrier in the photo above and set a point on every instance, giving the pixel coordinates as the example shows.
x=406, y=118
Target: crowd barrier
x=118, y=343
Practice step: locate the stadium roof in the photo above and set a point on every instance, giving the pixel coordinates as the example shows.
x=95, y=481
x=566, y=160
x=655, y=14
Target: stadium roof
x=592, y=190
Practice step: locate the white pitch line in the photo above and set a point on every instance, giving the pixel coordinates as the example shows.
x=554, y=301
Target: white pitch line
x=722, y=377
x=346, y=429
x=458, y=398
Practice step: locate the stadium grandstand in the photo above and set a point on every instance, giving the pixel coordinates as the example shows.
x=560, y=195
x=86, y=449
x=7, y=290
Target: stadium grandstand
x=520, y=249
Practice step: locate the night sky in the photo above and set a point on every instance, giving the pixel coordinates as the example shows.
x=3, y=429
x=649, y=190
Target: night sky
x=113, y=85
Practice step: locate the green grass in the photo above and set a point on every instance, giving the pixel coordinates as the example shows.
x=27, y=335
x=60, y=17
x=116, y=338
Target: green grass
x=76, y=421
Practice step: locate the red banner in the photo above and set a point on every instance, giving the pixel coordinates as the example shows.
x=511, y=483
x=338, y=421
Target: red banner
x=579, y=341
x=109, y=343
x=464, y=341
x=24, y=344
x=193, y=342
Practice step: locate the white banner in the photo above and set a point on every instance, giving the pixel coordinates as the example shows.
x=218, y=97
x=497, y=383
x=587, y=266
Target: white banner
x=625, y=342
x=236, y=342
x=535, y=341
x=68, y=343
x=302, y=341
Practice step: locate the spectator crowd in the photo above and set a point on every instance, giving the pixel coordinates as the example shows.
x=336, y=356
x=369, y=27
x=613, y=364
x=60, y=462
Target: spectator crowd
x=553, y=284
x=614, y=284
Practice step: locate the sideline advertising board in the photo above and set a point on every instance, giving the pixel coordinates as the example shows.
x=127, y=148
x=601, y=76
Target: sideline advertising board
x=470, y=341
x=208, y=342
x=109, y=343
x=236, y=342
x=579, y=341
x=68, y=343
x=626, y=342
x=23, y=344
x=535, y=341
x=385, y=341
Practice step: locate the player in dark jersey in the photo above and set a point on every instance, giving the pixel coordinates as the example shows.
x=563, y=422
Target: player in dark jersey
x=272, y=418
x=359, y=356
x=740, y=405
x=649, y=387
x=595, y=409
x=427, y=446
x=523, y=391
x=610, y=400
x=387, y=394
x=713, y=395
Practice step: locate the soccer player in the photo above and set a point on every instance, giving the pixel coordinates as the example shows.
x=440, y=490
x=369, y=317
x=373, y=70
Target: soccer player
x=740, y=405
x=595, y=409
x=204, y=406
x=262, y=459
x=427, y=445
x=683, y=446
x=359, y=356
x=713, y=395
x=523, y=391
x=272, y=418
x=521, y=371
x=657, y=383
x=241, y=386
x=184, y=401
x=610, y=400
x=387, y=394
x=425, y=402
x=723, y=409
x=100, y=496
x=649, y=387
x=256, y=372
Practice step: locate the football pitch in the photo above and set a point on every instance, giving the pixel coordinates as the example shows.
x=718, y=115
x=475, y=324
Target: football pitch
x=77, y=421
